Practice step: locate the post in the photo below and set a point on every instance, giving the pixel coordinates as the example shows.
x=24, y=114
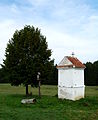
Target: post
x=39, y=83
x=26, y=89
x=39, y=89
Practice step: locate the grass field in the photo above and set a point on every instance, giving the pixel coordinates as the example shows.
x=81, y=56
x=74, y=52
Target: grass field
x=49, y=107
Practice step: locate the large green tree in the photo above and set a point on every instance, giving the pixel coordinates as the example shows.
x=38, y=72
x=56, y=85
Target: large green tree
x=27, y=54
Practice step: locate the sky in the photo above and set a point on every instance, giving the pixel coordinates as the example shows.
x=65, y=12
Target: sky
x=69, y=25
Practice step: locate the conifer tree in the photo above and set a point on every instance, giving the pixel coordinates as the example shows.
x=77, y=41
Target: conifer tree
x=27, y=54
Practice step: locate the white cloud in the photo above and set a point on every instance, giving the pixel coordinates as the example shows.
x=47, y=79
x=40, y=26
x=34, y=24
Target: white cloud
x=92, y=25
x=5, y=35
x=15, y=9
x=64, y=44
x=7, y=29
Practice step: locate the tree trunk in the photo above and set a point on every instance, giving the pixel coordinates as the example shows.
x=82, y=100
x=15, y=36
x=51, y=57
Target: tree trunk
x=26, y=89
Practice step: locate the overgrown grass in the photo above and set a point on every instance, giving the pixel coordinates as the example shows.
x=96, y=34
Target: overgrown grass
x=49, y=107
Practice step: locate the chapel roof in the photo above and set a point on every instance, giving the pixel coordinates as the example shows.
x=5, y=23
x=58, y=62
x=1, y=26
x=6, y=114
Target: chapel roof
x=69, y=61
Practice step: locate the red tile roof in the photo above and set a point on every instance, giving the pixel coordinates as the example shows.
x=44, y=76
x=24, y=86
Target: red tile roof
x=76, y=62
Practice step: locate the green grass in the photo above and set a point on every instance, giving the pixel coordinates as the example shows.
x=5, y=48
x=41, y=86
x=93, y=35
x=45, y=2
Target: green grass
x=49, y=107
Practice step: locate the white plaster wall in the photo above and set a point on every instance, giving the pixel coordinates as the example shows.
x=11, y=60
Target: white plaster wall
x=78, y=77
x=71, y=77
x=74, y=93
x=65, y=77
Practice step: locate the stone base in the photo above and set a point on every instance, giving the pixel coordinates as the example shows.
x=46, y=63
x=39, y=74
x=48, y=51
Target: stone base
x=71, y=93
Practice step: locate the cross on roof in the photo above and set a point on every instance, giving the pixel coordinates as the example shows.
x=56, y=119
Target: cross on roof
x=73, y=54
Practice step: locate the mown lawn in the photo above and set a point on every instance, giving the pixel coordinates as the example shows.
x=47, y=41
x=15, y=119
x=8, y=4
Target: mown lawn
x=49, y=107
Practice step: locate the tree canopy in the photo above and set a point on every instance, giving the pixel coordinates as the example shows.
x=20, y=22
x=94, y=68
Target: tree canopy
x=27, y=54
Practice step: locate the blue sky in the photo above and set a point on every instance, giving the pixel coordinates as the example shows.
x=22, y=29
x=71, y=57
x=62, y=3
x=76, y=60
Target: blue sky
x=69, y=25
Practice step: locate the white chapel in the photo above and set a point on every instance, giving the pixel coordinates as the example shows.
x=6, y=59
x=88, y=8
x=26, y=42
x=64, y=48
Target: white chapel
x=71, y=78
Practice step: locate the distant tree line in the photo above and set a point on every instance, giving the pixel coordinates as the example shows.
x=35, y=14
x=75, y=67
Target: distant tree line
x=91, y=73
x=3, y=76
